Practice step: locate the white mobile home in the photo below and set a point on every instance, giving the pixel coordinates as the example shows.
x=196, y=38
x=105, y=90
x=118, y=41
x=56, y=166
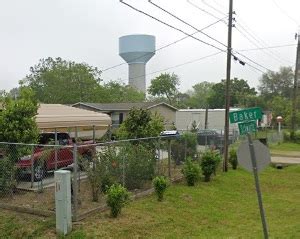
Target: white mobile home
x=215, y=119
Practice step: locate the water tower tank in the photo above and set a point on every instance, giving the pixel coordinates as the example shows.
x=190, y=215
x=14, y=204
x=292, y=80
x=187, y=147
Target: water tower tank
x=137, y=50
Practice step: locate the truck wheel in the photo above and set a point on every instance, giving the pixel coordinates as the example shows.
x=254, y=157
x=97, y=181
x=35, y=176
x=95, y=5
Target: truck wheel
x=39, y=172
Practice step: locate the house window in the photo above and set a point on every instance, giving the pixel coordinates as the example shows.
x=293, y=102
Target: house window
x=121, y=118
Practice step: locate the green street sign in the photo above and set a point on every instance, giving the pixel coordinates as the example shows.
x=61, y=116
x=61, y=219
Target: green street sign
x=245, y=115
x=247, y=127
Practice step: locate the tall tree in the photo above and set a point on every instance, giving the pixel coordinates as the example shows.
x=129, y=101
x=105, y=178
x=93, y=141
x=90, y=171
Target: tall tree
x=277, y=83
x=60, y=81
x=165, y=85
x=199, y=95
x=240, y=92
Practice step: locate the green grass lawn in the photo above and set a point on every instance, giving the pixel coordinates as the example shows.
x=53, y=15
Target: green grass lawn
x=224, y=208
x=285, y=147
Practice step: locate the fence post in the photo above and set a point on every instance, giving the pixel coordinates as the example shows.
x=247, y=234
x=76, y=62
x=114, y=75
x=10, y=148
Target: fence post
x=75, y=183
x=123, y=169
x=32, y=167
x=169, y=158
x=185, y=148
x=94, y=134
x=55, y=152
x=158, y=158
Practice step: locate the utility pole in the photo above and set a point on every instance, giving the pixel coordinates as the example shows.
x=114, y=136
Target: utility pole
x=227, y=88
x=297, y=69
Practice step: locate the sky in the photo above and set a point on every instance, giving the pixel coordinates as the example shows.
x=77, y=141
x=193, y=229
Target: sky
x=89, y=30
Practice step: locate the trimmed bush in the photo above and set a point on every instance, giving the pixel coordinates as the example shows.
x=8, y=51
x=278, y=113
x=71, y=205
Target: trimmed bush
x=233, y=158
x=191, y=172
x=117, y=197
x=160, y=184
x=209, y=163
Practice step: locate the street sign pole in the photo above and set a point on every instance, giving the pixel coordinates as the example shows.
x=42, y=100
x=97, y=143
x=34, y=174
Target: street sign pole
x=259, y=197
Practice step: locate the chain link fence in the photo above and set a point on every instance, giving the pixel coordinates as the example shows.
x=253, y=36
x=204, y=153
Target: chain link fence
x=27, y=170
x=26, y=175
x=131, y=163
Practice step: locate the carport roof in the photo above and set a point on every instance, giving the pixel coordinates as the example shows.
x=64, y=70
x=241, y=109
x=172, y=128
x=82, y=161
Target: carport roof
x=51, y=116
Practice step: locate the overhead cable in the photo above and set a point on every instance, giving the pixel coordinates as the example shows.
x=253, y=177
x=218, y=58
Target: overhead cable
x=165, y=46
x=178, y=18
x=169, y=25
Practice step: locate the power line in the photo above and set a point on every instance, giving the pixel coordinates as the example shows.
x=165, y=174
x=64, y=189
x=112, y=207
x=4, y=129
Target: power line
x=186, y=63
x=260, y=43
x=264, y=49
x=286, y=13
x=189, y=35
x=169, y=25
x=165, y=46
x=178, y=18
x=254, y=62
x=255, y=38
x=203, y=10
x=269, y=47
x=216, y=2
x=252, y=34
x=166, y=11
x=258, y=64
x=179, y=65
x=212, y=7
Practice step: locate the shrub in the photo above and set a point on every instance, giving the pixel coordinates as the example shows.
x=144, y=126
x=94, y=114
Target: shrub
x=139, y=166
x=160, y=184
x=186, y=145
x=101, y=170
x=191, y=172
x=286, y=136
x=233, y=158
x=209, y=163
x=106, y=183
x=117, y=197
x=297, y=136
x=7, y=176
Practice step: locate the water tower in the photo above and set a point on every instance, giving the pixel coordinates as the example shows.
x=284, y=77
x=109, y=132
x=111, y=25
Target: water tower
x=137, y=50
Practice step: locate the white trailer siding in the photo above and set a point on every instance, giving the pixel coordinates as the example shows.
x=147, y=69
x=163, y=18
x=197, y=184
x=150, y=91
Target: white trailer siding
x=216, y=119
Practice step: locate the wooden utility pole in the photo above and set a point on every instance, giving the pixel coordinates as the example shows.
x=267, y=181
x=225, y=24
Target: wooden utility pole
x=294, y=109
x=227, y=88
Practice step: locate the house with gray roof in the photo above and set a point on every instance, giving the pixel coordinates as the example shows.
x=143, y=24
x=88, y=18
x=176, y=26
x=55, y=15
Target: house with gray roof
x=119, y=111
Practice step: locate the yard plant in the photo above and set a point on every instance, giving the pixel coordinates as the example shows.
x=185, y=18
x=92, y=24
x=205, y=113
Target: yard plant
x=160, y=184
x=191, y=172
x=117, y=197
x=233, y=158
x=209, y=163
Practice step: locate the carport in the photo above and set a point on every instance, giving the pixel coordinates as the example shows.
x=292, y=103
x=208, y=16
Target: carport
x=77, y=122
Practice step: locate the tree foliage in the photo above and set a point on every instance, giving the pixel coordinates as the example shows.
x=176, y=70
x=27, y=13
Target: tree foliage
x=61, y=81
x=17, y=122
x=239, y=93
x=66, y=82
x=114, y=91
x=277, y=83
x=140, y=123
x=165, y=85
x=199, y=95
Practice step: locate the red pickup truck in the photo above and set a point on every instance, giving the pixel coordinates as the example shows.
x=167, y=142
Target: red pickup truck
x=46, y=158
